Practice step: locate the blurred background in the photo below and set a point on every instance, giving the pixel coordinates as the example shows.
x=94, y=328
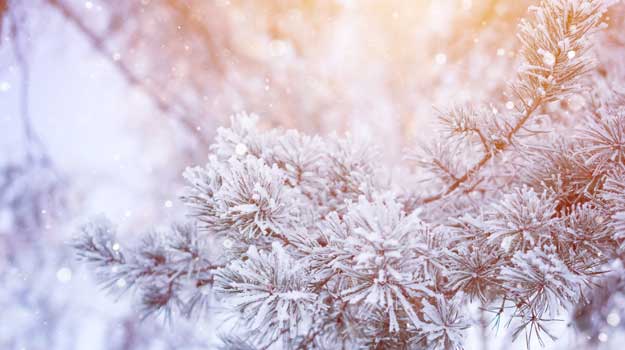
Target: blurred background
x=104, y=103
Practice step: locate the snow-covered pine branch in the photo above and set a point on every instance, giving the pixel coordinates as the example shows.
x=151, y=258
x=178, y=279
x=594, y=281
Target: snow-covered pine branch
x=554, y=56
x=161, y=268
x=319, y=249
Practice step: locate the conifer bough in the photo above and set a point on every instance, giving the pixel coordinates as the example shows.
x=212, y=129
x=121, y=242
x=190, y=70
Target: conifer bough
x=314, y=246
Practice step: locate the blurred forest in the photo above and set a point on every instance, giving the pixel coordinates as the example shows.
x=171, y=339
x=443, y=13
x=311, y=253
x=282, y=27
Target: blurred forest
x=98, y=96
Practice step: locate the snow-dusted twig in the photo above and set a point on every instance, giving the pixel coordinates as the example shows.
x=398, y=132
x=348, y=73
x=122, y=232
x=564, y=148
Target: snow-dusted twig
x=554, y=55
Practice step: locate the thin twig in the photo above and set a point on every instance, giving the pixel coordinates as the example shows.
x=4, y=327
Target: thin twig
x=98, y=43
x=34, y=145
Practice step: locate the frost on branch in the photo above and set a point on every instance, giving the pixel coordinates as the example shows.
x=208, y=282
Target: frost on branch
x=318, y=247
x=548, y=72
x=171, y=273
x=375, y=250
x=614, y=192
x=242, y=199
x=602, y=138
x=271, y=291
x=444, y=326
x=520, y=220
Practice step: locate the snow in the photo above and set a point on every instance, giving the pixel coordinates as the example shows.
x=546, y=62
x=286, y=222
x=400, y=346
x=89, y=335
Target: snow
x=284, y=210
x=64, y=275
x=613, y=319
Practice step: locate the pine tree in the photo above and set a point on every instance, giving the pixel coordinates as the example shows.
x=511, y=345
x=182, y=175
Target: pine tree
x=315, y=246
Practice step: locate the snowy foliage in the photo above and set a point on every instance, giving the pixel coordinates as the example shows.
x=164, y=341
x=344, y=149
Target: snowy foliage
x=318, y=247
x=270, y=289
x=160, y=269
